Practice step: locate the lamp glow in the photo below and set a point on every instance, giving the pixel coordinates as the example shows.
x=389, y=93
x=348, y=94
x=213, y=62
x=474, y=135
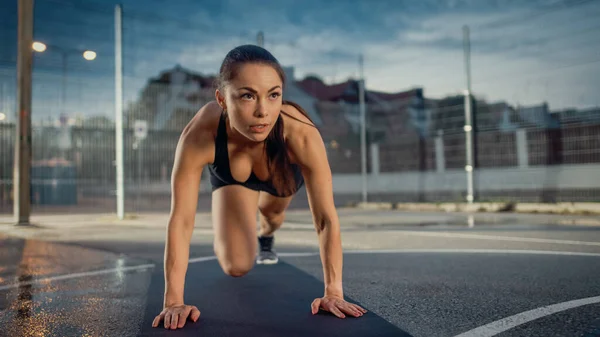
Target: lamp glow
x=39, y=47
x=89, y=55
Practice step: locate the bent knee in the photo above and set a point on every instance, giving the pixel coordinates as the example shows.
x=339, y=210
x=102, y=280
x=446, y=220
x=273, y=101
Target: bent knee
x=234, y=267
x=271, y=214
x=237, y=269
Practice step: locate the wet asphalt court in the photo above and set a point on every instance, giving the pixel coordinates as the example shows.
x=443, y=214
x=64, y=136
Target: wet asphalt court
x=460, y=279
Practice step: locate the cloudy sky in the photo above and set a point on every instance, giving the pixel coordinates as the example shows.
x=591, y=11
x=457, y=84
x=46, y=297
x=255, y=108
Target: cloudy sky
x=522, y=52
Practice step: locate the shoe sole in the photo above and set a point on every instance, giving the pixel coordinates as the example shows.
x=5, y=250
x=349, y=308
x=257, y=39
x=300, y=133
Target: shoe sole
x=267, y=261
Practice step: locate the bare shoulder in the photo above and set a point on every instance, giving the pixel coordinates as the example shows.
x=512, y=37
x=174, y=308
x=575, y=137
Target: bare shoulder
x=204, y=122
x=198, y=136
x=297, y=125
x=300, y=133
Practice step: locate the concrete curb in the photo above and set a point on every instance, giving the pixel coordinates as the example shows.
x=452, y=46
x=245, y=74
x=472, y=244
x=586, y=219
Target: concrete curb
x=374, y=205
x=566, y=208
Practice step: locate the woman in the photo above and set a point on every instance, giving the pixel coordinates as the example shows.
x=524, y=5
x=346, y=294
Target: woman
x=259, y=150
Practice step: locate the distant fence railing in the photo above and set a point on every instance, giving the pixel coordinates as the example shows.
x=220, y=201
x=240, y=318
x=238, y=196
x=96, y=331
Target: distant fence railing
x=516, y=156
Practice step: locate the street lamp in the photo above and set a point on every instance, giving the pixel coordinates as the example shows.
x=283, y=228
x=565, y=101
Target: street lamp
x=89, y=55
x=39, y=47
x=65, y=52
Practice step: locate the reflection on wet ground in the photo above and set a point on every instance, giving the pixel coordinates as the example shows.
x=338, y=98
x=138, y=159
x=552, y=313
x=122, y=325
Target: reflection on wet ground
x=35, y=302
x=41, y=259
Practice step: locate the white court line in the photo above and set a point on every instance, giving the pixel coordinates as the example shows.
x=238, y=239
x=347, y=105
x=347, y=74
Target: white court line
x=304, y=254
x=501, y=238
x=507, y=323
x=457, y=251
x=399, y=251
x=77, y=275
x=202, y=259
x=298, y=254
x=472, y=251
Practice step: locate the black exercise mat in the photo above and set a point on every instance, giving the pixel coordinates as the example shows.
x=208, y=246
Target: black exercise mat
x=271, y=300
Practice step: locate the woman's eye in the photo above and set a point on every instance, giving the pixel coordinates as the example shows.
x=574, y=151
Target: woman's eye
x=275, y=95
x=246, y=96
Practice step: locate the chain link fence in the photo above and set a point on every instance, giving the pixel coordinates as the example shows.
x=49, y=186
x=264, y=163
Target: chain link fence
x=528, y=145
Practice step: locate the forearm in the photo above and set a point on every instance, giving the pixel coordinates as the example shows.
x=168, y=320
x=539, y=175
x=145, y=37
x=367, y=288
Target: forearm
x=331, y=256
x=176, y=261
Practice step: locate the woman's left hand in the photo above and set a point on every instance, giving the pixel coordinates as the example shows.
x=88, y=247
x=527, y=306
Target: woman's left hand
x=337, y=306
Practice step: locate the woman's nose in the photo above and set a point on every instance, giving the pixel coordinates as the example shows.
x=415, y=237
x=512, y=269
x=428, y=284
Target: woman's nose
x=261, y=110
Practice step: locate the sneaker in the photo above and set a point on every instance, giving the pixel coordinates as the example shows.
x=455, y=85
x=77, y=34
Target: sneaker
x=266, y=255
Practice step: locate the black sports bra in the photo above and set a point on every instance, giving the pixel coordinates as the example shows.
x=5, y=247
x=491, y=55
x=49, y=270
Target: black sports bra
x=220, y=172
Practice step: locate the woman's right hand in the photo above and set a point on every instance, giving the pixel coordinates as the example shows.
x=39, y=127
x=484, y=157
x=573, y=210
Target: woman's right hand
x=175, y=316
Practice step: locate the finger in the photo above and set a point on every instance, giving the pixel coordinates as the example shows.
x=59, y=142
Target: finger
x=157, y=320
x=350, y=310
x=182, y=317
x=174, y=321
x=361, y=309
x=195, y=314
x=360, y=313
x=334, y=310
x=357, y=308
x=347, y=309
x=167, y=320
x=315, y=306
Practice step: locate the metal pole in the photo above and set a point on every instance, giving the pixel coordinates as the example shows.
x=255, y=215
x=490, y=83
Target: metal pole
x=139, y=172
x=119, y=114
x=63, y=112
x=260, y=39
x=468, y=128
x=22, y=161
x=363, y=138
x=64, y=83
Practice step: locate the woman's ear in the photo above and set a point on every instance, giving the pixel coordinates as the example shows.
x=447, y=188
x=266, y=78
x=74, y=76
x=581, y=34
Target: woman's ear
x=220, y=99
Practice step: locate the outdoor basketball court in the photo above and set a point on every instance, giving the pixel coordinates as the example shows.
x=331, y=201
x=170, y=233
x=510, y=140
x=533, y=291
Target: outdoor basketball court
x=448, y=281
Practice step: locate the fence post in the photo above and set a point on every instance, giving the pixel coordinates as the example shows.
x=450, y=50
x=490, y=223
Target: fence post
x=22, y=155
x=522, y=149
x=375, y=159
x=119, y=115
x=440, y=160
x=468, y=127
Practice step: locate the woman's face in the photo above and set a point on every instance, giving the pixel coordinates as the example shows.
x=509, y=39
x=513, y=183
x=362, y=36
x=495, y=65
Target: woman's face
x=253, y=100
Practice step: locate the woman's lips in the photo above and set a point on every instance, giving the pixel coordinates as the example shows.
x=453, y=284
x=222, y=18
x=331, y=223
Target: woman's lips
x=259, y=128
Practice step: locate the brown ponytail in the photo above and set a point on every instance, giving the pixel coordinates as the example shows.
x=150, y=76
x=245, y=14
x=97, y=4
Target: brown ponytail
x=278, y=160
